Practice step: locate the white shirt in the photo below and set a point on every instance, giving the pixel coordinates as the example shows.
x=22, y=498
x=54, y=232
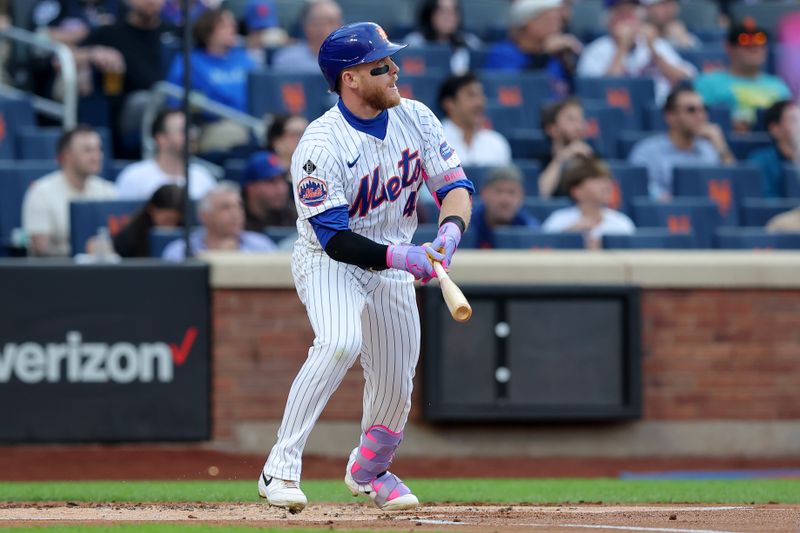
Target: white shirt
x=598, y=55
x=138, y=181
x=488, y=147
x=613, y=222
x=45, y=209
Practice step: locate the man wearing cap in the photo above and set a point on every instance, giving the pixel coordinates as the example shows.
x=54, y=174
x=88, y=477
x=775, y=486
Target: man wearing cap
x=267, y=198
x=633, y=49
x=536, y=41
x=501, y=205
x=743, y=87
x=261, y=22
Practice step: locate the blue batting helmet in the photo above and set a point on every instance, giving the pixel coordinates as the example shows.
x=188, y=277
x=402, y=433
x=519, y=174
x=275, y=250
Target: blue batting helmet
x=353, y=44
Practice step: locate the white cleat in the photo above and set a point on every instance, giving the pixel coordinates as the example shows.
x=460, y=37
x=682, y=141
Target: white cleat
x=282, y=493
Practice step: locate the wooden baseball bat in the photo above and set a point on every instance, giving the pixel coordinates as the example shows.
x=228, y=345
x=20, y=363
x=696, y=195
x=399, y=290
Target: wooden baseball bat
x=456, y=302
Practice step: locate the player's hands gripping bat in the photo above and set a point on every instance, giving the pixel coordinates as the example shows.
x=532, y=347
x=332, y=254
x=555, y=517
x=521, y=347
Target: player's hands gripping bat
x=418, y=260
x=456, y=302
x=447, y=241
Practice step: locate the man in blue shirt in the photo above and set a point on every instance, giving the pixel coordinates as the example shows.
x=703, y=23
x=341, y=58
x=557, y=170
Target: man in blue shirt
x=743, y=87
x=536, y=41
x=690, y=140
x=501, y=205
x=781, y=120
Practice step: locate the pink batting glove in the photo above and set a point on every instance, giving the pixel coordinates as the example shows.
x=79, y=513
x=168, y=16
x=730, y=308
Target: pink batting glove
x=447, y=241
x=413, y=259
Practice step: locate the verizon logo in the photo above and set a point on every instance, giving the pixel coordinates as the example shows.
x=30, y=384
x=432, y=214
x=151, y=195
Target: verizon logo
x=76, y=361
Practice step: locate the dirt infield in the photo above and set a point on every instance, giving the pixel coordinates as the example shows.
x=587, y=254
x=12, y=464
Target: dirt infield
x=467, y=517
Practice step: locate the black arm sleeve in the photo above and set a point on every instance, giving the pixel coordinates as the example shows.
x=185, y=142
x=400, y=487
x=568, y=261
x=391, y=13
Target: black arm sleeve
x=352, y=248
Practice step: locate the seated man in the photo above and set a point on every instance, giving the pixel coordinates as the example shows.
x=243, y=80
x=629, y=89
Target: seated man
x=319, y=18
x=222, y=215
x=268, y=198
x=788, y=222
x=782, y=121
x=565, y=126
x=45, y=208
x=501, y=205
x=588, y=181
x=140, y=180
x=462, y=99
x=743, y=86
x=633, y=49
x=690, y=140
x=663, y=15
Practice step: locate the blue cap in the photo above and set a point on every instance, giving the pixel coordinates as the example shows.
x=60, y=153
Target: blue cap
x=353, y=44
x=260, y=14
x=262, y=166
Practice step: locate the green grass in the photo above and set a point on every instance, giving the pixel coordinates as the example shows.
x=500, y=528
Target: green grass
x=447, y=490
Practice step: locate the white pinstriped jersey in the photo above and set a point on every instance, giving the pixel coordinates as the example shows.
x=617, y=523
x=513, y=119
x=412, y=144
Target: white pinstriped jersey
x=379, y=180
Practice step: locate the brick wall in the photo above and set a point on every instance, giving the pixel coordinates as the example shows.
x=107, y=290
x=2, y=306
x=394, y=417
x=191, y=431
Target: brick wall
x=708, y=354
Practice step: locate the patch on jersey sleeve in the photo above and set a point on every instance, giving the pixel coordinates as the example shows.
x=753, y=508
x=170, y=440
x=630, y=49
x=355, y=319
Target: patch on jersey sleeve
x=445, y=150
x=309, y=167
x=312, y=191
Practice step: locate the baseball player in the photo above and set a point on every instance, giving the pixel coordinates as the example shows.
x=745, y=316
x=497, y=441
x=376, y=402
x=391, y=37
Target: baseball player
x=357, y=174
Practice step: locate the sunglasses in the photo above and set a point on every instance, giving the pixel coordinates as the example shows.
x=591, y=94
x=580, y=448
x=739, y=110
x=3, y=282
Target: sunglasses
x=752, y=39
x=379, y=71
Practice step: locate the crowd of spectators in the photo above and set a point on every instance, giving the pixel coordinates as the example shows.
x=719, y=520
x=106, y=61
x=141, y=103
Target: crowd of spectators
x=123, y=47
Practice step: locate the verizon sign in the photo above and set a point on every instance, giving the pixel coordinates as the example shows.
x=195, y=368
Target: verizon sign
x=76, y=361
x=104, y=353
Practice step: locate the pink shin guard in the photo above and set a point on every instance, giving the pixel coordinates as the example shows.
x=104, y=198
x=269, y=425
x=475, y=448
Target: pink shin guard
x=375, y=453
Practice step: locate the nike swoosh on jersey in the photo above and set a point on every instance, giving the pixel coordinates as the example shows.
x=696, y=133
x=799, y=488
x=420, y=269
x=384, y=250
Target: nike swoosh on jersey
x=351, y=165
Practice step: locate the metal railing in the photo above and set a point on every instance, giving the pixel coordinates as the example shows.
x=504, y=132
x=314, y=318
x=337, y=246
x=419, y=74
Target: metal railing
x=163, y=90
x=66, y=111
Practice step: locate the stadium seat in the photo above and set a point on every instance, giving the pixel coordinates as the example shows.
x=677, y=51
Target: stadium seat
x=278, y=233
x=791, y=182
x=627, y=139
x=710, y=35
x=161, y=237
x=273, y=92
x=20, y=111
x=87, y=216
x=7, y=140
x=513, y=237
x=699, y=14
x=741, y=144
x=117, y=166
x=726, y=186
x=631, y=95
x=745, y=238
x=630, y=182
x=541, y=208
x=422, y=87
x=506, y=120
x=480, y=15
x=530, y=169
x=477, y=175
x=524, y=92
x=234, y=169
x=759, y=211
x=682, y=215
x=588, y=19
x=528, y=144
x=15, y=177
x=603, y=129
x=707, y=59
x=650, y=238
x=399, y=13
x=416, y=60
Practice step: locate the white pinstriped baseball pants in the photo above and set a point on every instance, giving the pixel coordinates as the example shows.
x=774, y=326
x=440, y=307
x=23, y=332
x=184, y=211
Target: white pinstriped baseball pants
x=352, y=312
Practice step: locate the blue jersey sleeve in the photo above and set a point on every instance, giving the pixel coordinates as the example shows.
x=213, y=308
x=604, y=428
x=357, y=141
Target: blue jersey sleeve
x=329, y=223
x=463, y=184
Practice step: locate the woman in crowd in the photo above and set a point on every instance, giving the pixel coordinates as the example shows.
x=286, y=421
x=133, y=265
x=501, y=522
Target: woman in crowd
x=163, y=210
x=441, y=22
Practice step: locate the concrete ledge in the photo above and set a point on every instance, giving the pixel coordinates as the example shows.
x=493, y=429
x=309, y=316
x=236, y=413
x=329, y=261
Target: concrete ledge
x=707, y=438
x=647, y=269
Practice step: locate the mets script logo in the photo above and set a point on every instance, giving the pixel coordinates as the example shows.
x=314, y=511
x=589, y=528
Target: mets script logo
x=372, y=192
x=312, y=191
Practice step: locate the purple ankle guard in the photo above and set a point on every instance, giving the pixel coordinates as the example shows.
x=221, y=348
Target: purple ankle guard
x=375, y=453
